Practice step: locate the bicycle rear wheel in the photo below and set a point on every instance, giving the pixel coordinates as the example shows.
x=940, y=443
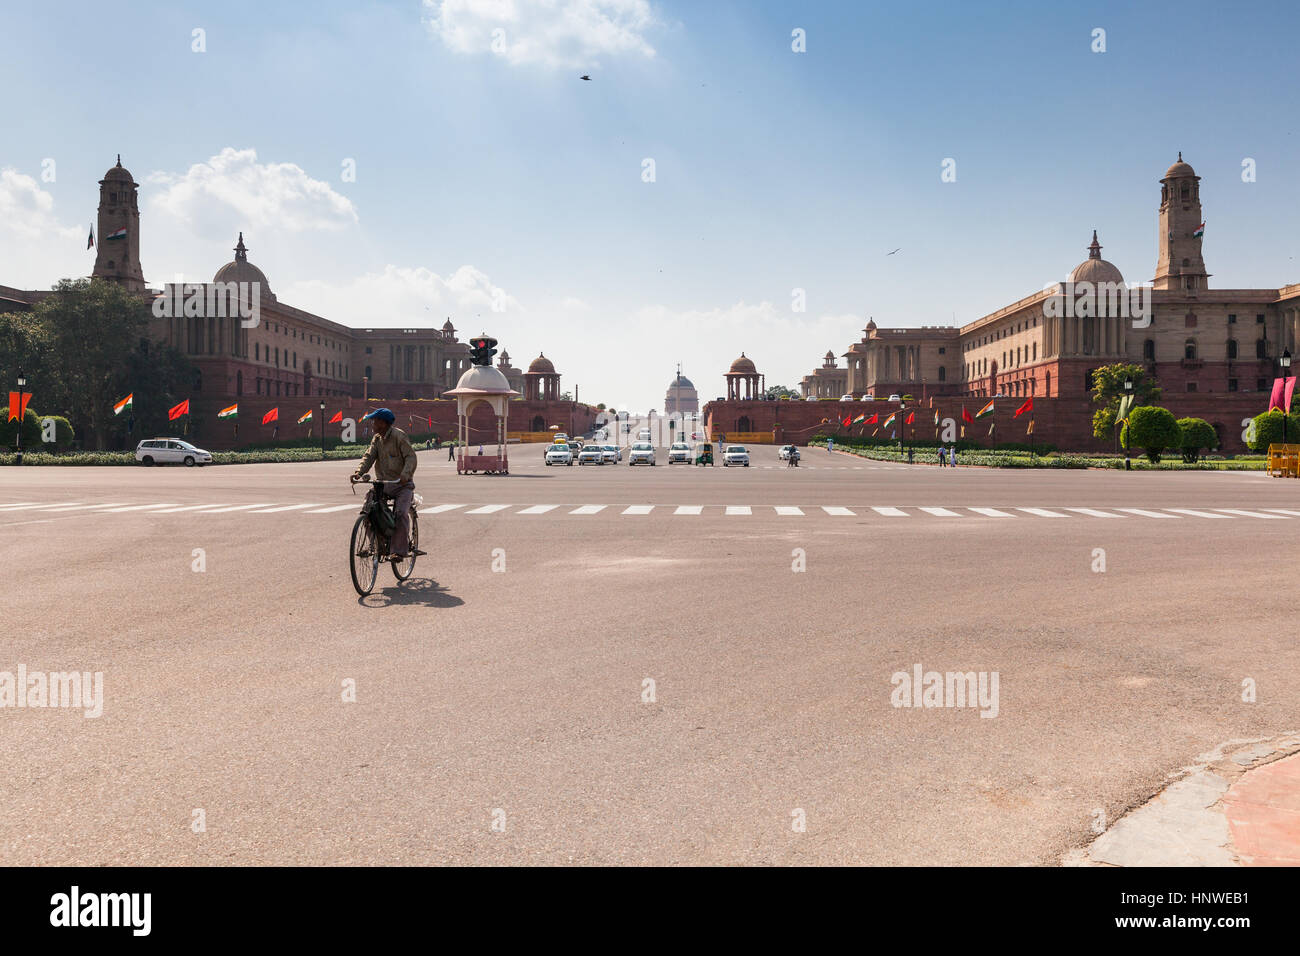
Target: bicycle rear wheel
x=365, y=556
x=402, y=569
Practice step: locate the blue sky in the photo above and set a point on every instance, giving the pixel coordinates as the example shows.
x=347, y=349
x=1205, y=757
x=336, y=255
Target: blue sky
x=485, y=174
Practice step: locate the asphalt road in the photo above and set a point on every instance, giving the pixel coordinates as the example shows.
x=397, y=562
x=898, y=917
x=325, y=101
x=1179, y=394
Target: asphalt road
x=522, y=690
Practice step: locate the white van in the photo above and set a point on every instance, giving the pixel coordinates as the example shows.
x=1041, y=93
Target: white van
x=164, y=451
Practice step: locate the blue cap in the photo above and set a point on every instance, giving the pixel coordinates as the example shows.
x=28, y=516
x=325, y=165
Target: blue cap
x=383, y=414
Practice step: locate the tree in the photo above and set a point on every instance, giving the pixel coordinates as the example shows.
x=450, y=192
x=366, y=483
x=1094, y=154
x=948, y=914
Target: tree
x=1153, y=429
x=780, y=391
x=1267, y=430
x=1108, y=389
x=566, y=396
x=158, y=377
x=1197, y=434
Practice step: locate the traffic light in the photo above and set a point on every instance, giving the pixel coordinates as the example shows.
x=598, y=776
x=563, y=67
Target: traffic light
x=481, y=350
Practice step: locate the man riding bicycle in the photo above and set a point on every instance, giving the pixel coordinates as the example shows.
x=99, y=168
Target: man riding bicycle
x=391, y=453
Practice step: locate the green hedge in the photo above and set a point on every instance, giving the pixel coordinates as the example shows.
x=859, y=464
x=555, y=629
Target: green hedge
x=1268, y=430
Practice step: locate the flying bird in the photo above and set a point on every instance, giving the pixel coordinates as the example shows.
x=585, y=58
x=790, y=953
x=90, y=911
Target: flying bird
x=888, y=254
x=584, y=77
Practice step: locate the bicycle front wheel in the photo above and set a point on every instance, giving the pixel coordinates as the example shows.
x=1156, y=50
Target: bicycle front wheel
x=365, y=556
x=402, y=569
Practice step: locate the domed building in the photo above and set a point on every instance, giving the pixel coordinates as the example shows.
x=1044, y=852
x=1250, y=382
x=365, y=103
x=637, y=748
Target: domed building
x=1095, y=269
x=541, y=381
x=829, y=381
x=117, y=256
x=681, y=397
x=241, y=270
x=744, y=383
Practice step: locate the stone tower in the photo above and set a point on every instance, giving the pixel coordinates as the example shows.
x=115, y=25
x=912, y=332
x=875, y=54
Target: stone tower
x=117, y=257
x=1179, y=264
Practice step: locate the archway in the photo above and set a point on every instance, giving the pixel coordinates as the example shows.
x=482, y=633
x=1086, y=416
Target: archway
x=743, y=425
x=539, y=424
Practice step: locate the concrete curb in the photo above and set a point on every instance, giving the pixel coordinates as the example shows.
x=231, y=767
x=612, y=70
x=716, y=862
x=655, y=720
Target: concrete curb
x=1186, y=824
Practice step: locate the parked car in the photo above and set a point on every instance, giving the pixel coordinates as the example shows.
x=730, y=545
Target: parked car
x=170, y=451
x=559, y=455
x=612, y=453
x=591, y=455
x=735, y=455
x=642, y=453
x=679, y=452
x=784, y=453
x=846, y=398
x=895, y=397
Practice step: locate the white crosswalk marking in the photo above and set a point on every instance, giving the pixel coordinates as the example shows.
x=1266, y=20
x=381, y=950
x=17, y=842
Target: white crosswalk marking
x=941, y=512
x=1285, y=511
x=838, y=511
x=1252, y=514
x=787, y=510
x=168, y=511
x=588, y=510
x=1197, y=514
x=688, y=509
x=739, y=510
x=992, y=513
x=160, y=504
x=61, y=508
x=1042, y=512
x=271, y=511
x=891, y=512
x=439, y=509
x=487, y=509
x=21, y=504
x=1146, y=514
x=57, y=507
x=218, y=511
x=638, y=509
x=331, y=510
x=1094, y=513
x=537, y=510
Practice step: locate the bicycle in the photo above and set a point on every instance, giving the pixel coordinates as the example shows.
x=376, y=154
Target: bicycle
x=371, y=536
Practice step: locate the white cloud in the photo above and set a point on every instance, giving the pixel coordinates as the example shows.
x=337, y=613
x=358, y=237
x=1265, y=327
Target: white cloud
x=549, y=33
x=39, y=249
x=401, y=297
x=232, y=190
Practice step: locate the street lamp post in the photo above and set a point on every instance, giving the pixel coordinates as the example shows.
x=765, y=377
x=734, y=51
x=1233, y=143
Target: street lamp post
x=1128, y=393
x=1286, y=368
x=22, y=385
x=322, y=429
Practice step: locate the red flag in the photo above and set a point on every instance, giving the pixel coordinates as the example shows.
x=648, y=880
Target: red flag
x=1275, y=399
x=911, y=417
x=338, y=417
x=873, y=420
x=176, y=411
x=1027, y=407
x=966, y=416
x=18, y=404
x=272, y=416
x=431, y=421
x=848, y=420
x=1290, y=392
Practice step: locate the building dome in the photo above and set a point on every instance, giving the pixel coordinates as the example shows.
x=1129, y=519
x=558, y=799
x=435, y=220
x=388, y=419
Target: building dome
x=680, y=398
x=1179, y=168
x=118, y=173
x=1095, y=269
x=541, y=366
x=743, y=366
x=871, y=325
x=241, y=270
x=447, y=326
x=484, y=378
x=682, y=381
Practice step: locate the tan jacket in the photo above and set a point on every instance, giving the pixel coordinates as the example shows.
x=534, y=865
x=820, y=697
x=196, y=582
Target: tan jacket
x=392, y=456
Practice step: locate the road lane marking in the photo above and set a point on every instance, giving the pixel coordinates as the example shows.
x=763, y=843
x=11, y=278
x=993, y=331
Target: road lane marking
x=22, y=504
x=687, y=510
x=788, y=510
x=1252, y=514
x=941, y=512
x=62, y=508
x=437, y=509
x=588, y=510
x=1042, y=513
x=327, y=511
x=1285, y=511
x=36, y=506
x=992, y=513
x=891, y=512
x=537, y=510
x=638, y=509
x=1146, y=514
x=271, y=511
x=739, y=510
x=487, y=510
x=837, y=511
x=168, y=511
x=161, y=504
x=1094, y=513
x=1197, y=514
x=217, y=511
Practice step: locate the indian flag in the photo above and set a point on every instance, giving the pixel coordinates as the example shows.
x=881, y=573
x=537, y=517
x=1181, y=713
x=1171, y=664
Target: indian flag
x=230, y=412
x=123, y=405
x=1200, y=231
x=890, y=420
x=305, y=418
x=120, y=234
x=860, y=419
x=985, y=411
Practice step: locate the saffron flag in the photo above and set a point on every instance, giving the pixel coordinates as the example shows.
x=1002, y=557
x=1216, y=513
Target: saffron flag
x=1200, y=231
x=985, y=411
x=124, y=404
x=272, y=416
x=338, y=417
x=90, y=242
x=911, y=418
x=176, y=411
x=18, y=405
x=1027, y=407
x=231, y=411
x=890, y=420
x=120, y=234
x=306, y=417
x=965, y=416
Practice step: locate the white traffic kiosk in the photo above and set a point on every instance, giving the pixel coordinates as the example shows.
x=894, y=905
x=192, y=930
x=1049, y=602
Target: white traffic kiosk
x=482, y=383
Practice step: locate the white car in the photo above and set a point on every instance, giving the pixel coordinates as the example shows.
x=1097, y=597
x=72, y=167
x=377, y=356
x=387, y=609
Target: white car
x=591, y=455
x=559, y=455
x=612, y=453
x=895, y=398
x=164, y=451
x=643, y=435
x=680, y=451
x=642, y=453
x=735, y=455
x=784, y=453
x=846, y=398
x=560, y=436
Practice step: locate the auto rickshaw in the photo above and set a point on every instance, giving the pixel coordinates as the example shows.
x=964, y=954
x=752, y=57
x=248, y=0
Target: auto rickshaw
x=704, y=453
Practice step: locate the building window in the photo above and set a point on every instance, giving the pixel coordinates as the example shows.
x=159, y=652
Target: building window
x=1232, y=384
x=941, y=350
x=1191, y=386
x=1232, y=319
x=367, y=349
x=943, y=373
x=1035, y=358
x=257, y=351
x=1189, y=349
x=1261, y=348
x=1232, y=351
x=318, y=365
x=1149, y=350
x=368, y=375
x=1259, y=320
x=1261, y=385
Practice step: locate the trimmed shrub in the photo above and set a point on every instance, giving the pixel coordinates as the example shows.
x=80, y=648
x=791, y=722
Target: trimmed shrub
x=1267, y=430
x=1197, y=434
x=1153, y=429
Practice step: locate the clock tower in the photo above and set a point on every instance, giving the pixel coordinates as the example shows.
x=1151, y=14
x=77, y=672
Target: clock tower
x=118, y=257
x=1179, y=264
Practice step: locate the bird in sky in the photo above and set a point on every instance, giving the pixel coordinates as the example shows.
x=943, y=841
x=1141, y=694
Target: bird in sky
x=888, y=254
x=584, y=77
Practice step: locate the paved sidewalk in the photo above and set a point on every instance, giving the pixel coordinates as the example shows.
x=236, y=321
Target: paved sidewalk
x=1237, y=806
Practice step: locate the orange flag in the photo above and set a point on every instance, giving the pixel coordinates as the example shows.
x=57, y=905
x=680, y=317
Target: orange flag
x=272, y=416
x=338, y=417
x=18, y=404
x=176, y=411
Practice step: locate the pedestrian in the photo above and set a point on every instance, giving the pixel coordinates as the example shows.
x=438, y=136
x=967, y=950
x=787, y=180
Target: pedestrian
x=480, y=451
x=451, y=451
x=909, y=455
x=830, y=445
x=943, y=453
x=952, y=457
